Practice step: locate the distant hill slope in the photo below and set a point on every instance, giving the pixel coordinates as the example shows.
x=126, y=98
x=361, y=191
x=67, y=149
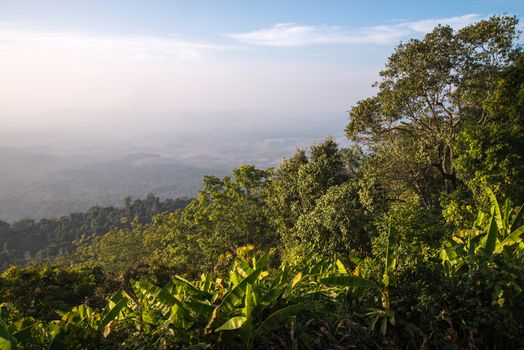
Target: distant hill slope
x=38, y=186
x=50, y=170
x=29, y=241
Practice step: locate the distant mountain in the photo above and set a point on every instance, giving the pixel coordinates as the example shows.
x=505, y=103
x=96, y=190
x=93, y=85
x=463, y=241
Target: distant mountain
x=50, y=170
x=38, y=185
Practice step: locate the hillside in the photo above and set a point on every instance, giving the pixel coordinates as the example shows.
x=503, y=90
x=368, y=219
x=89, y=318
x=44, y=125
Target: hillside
x=38, y=241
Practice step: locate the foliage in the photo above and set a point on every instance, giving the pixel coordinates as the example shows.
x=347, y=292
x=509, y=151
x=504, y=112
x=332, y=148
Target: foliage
x=492, y=154
x=312, y=203
x=430, y=88
x=250, y=304
x=336, y=248
x=38, y=291
x=29, y=241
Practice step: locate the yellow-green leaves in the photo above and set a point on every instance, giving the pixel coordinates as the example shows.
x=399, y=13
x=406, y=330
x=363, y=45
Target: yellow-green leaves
x=7, y=341
x=232, y=324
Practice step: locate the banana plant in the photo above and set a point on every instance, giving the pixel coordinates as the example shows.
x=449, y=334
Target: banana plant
x=162, y=315
x=385, y=314
x=256, y=303
x=497, y=233
x=85, y=317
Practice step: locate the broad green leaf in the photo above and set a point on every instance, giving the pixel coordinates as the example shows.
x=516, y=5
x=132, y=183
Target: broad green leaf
x=233, y=277
x=232, y=324
x=206, y=282
x=243, y=266
x=199, y=307
x=262, y=261
x=390, y=260
x=496, y=210
x=355, y=259
x=236, y=295
x=160, y=296
x=506, y=211
x=112, y=310
x=276, y=319
x=513, y=237
x=317, y=268
x=23, y=329
x=491, y=238
x=347, y=281
x=273, y=293
x=479, y=221
x=247, y=311
x=189, y=287
x=248, y=302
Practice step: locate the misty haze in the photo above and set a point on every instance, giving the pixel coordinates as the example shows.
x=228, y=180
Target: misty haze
x=79, y=159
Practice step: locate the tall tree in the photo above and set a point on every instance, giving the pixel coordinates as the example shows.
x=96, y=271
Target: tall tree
x=429, y=88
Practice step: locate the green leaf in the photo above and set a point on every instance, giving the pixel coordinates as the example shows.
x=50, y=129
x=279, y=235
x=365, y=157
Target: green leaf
x=159, y=296
x=23, y=331
x=496, y=210
x=479, y=220
x=112, y=310
x=274, y=292
x=513, y=237
x=247, y=311
x=232, y=324
x=506, y=210
x=390, y=261
x=236, y=295
x=189, y=287
x=7, y=342
x=243, y=266
x=199, y=307
x=276, y=319
x=347, y=281
x=491, y=238
x=262, y=261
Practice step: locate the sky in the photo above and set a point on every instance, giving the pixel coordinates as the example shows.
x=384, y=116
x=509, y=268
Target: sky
x=146, y=58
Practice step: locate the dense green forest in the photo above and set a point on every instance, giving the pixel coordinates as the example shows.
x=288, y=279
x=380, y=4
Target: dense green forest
x=408, y=239
x=30, y=241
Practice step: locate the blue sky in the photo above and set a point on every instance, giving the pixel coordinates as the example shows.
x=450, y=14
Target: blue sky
x=297, y=56
x=211, y=18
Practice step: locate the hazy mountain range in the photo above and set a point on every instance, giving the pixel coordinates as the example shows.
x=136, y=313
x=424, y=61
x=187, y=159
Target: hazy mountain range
x=62, y=166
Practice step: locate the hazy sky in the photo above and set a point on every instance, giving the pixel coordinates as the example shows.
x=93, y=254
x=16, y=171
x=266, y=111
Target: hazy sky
x=157, y=56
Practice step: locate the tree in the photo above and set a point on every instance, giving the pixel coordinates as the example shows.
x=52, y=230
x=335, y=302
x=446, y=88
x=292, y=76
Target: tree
x=227, y=214
x=491, y=155
x=296, y=189
x=429, y=89
x=339, y=224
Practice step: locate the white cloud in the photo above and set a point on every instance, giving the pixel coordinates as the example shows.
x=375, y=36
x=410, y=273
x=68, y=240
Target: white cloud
x=17, y=41
x=291, y=34
x=426, y=25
